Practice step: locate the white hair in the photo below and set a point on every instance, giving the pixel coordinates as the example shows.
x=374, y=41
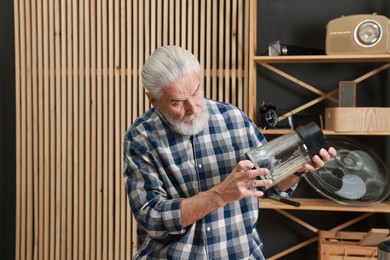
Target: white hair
x=165, y=66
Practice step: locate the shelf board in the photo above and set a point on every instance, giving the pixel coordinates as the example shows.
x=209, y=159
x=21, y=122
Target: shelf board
x=326, y=132
x=323, y=58
x=324, y=204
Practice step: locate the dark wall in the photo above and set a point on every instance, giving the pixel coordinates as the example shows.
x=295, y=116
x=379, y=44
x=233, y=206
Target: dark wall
x=303, y=23
x=7, y=131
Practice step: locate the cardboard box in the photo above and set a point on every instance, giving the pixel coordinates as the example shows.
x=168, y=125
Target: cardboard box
x=343, y=245
x=357, y=119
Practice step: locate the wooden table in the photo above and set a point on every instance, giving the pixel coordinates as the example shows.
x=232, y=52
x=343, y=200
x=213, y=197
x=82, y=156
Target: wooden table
x=320, y=205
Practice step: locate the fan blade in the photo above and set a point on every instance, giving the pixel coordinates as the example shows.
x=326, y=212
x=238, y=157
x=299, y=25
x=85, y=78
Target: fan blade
x=352, y=187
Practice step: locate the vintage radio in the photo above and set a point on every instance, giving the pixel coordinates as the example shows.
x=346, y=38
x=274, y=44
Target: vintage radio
x=358, y=34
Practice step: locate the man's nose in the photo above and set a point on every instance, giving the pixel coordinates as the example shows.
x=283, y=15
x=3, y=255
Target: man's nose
x=190, y=106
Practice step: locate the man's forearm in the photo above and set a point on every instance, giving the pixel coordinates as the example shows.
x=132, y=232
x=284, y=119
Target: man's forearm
x=288, y=182
x=194, y=208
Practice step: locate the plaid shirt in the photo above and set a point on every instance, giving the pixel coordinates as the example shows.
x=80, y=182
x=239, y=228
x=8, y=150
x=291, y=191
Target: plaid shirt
x=162, y=168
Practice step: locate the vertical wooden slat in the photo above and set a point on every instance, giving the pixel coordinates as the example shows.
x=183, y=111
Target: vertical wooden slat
x=121, y=229
x=80, y=100
x=58, y=125
x=24, y=135
x=52, y=127
x=160, y=23
x=87, y=101
x=205, y=52
x=129, y=118
x=220, y=51
x=171, y=30
x=214, y=53
x=240, y=47
x=41, y=163
x=134, y=91
x=182, y=10
x=153, y=26
x=195, y=36
x=63, y=144
x=75, y=155
x=105, y=86
x=116, y=194
x=251, y=32
x=134, y=72
x=57, y=114
x=143, y=50
x=129, y=63
x=227, y=82
x=23, y=103
x=188, y=26
x=142, y=55
x=233, y=38
x=25, y=227
x=19, y=39
x=175, y=20
x=29, y=129
x=147, y=27
x=70, y=132
x=46, y=97
x=110, y=129
x=99, y=186
x=94, y=145
x=166, y=14
x=35, y=132
x=99, y=103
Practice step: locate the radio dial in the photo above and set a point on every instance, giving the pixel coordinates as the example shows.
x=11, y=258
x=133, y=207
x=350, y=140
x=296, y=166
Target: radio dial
x=368, y=33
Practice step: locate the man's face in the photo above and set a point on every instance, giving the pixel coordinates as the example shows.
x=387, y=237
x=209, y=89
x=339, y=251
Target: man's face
x=182, y=104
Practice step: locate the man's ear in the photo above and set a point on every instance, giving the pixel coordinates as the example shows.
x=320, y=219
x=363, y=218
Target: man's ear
x=152, y=100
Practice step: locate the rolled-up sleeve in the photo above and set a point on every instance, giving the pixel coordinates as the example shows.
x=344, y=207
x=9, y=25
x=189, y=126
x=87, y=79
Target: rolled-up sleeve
x=157, y=214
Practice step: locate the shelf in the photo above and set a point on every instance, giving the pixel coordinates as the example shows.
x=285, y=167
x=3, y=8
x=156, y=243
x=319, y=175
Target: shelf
x=326, y=132
x=322, y=58
x=324, y=205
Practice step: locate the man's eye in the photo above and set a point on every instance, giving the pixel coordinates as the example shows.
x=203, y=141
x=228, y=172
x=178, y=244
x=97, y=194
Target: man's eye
x=196, y=92
x=177, y=103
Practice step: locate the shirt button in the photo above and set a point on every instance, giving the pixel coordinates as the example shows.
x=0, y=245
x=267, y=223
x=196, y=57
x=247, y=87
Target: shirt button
x=200, y=166
x=208, y=228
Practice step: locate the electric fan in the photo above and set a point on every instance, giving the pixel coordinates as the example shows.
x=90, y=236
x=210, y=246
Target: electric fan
x=355, y=176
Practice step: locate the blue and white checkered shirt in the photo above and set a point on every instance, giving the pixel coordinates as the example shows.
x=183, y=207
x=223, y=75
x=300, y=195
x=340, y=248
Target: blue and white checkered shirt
x=162, y=168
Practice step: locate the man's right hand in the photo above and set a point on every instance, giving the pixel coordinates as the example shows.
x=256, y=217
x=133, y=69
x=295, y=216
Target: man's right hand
x=242, y=182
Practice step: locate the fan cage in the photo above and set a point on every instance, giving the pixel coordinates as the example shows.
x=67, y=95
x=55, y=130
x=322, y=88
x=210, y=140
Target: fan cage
x=369, y=170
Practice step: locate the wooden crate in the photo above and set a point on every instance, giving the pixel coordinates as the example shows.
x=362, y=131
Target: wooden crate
x=363, y=119
x=342, y=245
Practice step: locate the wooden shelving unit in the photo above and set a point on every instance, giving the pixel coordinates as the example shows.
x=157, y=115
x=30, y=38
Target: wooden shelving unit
x=268, y=63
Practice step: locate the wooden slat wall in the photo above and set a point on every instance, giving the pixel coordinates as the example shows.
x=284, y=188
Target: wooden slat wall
x=78, y=90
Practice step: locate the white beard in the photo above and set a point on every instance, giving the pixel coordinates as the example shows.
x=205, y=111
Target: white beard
x=198, y=122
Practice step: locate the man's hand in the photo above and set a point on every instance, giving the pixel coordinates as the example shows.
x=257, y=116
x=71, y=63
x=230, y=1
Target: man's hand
x=242, y=182
x=320, y=159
